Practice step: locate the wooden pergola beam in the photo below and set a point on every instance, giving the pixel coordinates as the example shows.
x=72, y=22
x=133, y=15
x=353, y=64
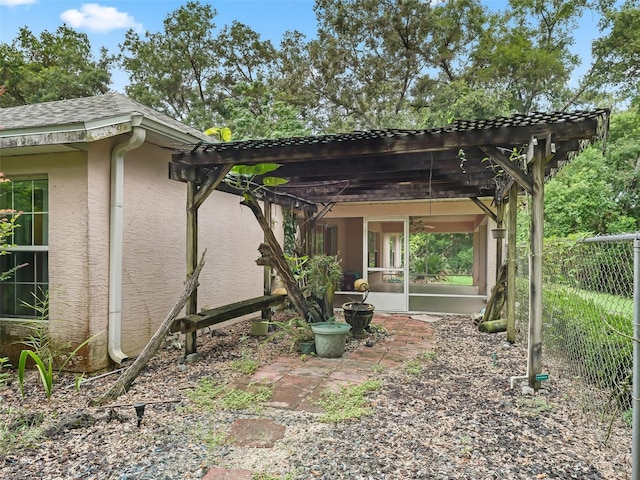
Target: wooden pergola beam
x=509, y=166
x=484, y=208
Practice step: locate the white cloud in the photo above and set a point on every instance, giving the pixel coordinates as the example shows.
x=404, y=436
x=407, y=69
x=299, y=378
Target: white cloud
x=98, y=18
x=15, y=3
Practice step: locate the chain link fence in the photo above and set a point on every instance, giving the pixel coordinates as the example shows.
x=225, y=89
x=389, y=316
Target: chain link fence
x=587, y=323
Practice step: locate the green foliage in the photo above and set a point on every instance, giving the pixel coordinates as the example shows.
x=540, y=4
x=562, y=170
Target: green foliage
x=45, y=366
x=289, y=225
x=19, y=430
x=617, y=56
x=245, y=365
x=189, y=70
x=53, y=66
x=43, y=351
x=349, y=404
x=323, y=272
x=210, y=396
x=599, y=193
x=254, y=111
x=584, y=332
x=416, y=365
x=4, y=375
x=440, y=254
x=295, y=329
x=46, y=371
x=242, y=177
x=8, y=223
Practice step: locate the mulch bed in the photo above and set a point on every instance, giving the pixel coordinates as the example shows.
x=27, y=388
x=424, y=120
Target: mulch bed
x=456, y=419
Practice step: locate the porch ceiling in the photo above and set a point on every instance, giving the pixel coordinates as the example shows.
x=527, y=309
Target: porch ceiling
x=393, y=164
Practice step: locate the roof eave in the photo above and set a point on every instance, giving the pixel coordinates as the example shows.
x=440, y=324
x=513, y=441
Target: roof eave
x=86, y=132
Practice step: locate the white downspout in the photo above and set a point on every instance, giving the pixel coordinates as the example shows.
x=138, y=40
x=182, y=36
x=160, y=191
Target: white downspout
x=116, y=237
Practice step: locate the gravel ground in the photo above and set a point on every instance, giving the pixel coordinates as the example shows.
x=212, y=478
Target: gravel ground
x=457, y=419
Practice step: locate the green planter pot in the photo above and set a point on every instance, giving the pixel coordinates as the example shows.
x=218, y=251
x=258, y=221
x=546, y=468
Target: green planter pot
x=259, y=328
x=330, y=338
x=307, y=348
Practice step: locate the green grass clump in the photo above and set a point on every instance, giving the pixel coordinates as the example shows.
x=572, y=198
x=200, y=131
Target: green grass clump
x=252, y=397
x=245, y=366
x=416, y=365
x=349, y=404
x=268, y=476
x=20, y=430
x=210, y=396
x=5, y=375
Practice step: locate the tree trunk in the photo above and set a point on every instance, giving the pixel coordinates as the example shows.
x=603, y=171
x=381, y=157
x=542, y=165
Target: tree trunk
x=129, y=376
x=273, y=256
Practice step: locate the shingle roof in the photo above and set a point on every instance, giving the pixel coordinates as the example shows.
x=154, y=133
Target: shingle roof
x=82, y=110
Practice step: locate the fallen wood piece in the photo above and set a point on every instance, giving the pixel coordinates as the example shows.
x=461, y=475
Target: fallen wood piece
x=150, y=402
x=124, y=382
x=494, y=326
x=213, y=316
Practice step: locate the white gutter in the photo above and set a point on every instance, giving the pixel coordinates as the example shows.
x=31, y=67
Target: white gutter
x=116, y=236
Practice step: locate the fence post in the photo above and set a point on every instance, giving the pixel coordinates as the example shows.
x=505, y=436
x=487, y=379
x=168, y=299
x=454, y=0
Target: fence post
x=635, y=434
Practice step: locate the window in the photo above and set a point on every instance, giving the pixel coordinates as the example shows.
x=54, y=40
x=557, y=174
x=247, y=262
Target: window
x=326, y=240
x=29, y=246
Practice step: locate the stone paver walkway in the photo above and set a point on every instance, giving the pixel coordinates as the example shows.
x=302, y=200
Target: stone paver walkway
x=299, y=382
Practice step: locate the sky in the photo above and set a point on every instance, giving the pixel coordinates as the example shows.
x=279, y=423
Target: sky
x=106, y=21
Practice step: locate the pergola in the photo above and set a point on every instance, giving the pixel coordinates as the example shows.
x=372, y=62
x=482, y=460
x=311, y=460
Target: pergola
x=488, y=158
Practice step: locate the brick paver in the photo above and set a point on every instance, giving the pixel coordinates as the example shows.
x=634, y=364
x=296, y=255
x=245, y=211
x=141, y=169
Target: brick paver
x=298, y=383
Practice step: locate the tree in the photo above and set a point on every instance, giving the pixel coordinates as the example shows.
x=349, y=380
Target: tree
x=525, y=53
x=617, y=54
x=599, y=192
x=375, y=64
x=186, y=71
x=53, y=66
x=254, y=111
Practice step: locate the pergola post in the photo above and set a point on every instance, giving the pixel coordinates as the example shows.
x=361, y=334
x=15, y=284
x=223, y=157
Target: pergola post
x=499, y=241
x=192, y=261
x=196, y=197
x=534, y=365
x=266, y=313
x=511, y=262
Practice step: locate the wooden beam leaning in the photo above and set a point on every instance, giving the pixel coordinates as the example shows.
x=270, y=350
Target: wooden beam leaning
x=484, y=208
x=508, y=166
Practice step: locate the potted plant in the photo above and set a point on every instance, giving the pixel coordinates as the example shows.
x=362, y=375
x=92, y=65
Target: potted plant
x=359, y=314
x=330, y=338
x=297, y=331
x=323, y=276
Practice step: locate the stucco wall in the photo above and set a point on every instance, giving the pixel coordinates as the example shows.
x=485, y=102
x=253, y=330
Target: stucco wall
x=68, y=233
x=154, y=245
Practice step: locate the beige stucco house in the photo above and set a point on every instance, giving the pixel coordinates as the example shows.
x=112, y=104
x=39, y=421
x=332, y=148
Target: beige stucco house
x=102, y=227
x=103, y=231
